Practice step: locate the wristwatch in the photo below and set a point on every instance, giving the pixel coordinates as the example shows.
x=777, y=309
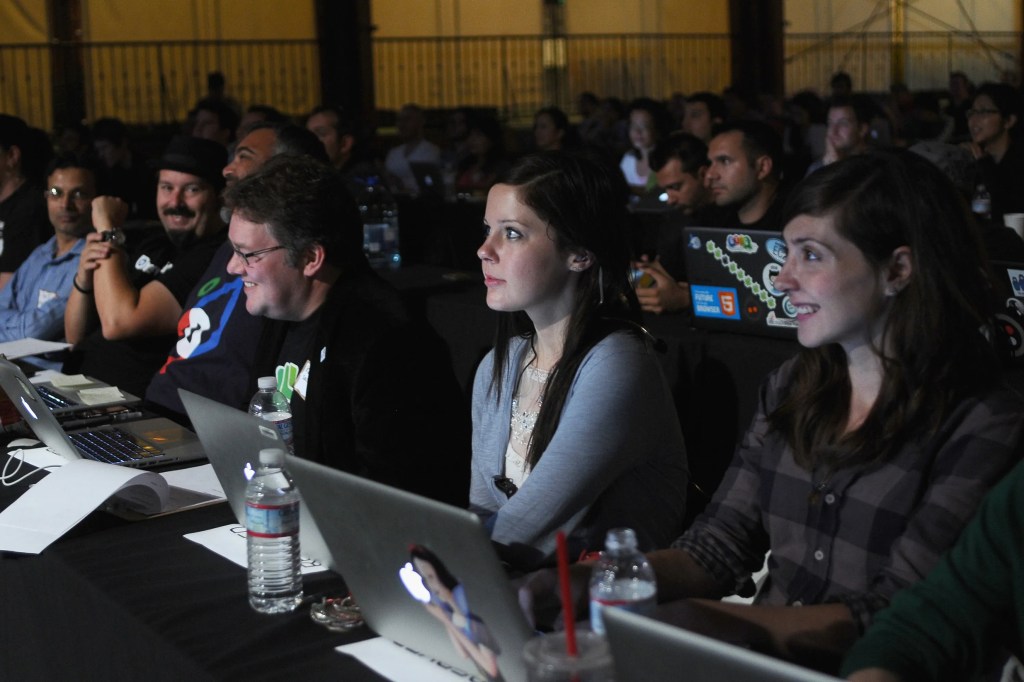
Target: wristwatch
x=115, y=237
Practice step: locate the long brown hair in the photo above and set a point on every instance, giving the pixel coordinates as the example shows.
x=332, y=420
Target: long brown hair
x=933, y=348
x=583, y=202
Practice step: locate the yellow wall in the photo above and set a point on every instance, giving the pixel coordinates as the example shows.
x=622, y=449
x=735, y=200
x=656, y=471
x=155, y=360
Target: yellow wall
x=23, y=21
x=113, y=20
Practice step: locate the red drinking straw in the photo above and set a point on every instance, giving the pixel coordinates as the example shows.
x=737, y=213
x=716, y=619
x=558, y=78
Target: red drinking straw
x=566, y=585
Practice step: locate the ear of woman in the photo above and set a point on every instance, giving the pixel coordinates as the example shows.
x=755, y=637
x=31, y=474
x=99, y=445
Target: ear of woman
x=900, y=270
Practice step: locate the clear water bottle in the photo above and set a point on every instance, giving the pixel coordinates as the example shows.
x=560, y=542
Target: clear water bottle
x=981, y=204
x=622, y=578
x=271, y=405
x=380, y=224
x=272, y=525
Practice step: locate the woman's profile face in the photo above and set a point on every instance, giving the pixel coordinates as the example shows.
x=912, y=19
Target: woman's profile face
x=523, y=267
x=839, y=296
x=641, y=129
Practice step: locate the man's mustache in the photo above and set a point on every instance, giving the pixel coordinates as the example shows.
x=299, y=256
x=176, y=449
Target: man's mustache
x=182, y=211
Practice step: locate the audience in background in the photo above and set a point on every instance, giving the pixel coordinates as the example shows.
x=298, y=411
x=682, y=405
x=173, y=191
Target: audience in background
x=552, y=130
x=704, y=112
x=849, y=130
x=573, y=425
x=648, y=123
x=486, y=161
x=23, y=220
x=744, y=174
x=215, y=120
x=123, y=171
x=994, y=124
x=414, y=148
x=679, y=164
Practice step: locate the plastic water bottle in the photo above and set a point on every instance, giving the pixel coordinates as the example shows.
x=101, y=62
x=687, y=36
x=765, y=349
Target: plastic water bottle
x=622, y=578
x=981, y=204
x=272, y=525
x=380, y=224
x=271, y=405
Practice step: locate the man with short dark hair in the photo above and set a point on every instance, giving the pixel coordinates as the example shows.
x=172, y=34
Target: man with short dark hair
x=372, y=388
x=123, y=172
x=849, y=130
x=32, y=304
x=705, y=111
x=215, y=120
x=745, y=171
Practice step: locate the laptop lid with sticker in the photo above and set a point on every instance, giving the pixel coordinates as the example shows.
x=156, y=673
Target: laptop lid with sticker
x=732, y=281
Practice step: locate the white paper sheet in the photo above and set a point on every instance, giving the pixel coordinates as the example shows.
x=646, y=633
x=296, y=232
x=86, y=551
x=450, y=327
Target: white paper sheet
x=25, y=347
x=398, y=664
x=229, y=542
x=64, y=497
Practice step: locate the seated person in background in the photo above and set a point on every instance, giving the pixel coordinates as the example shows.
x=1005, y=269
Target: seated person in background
x=648, y=125
x=123, y=312
x=994, y=123
x=552, y=130
x=679, y=164
x=123, y=172
x=705, y=111
x=23, y=224
x=415, y=148
x=744, y=174
x=371, y=385
x=849, y=129
x=217, y=337
x=953, y=624
x=872, y=448
x=485, y=162
x=574, y=427
x=32, y=303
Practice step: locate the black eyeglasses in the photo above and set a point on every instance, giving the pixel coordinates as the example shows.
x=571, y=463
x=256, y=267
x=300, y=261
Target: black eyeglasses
x=981, y=112
x=505, y=485
x=253, y=254
x=56, y=194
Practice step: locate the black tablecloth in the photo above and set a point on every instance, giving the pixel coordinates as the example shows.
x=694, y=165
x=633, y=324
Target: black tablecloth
x=115, y=600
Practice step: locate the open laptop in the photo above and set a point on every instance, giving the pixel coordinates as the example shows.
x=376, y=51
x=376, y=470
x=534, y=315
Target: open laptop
x=67, y=401
x=142, y=443
x=1008, y=288
x=232, y=440
x=411, y=563
x=645, y=649
x=732, y=274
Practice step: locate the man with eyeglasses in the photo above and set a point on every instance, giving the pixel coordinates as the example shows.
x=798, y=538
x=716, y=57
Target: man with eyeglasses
x=373, y=391
x=32, y=303
x=213, y=352
x=122, y=314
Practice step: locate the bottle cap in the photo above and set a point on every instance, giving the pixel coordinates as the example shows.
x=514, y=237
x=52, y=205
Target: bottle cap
x=620, y=538
x=272, y=456
x=266, y=382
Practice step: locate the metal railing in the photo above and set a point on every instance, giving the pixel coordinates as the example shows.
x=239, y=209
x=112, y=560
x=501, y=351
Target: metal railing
x=154, y=83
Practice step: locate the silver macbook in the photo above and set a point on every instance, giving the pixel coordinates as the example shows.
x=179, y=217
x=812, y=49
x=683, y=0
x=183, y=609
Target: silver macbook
x=424, y=573
x=232, y=440
x=142, y=443
x=647, y=650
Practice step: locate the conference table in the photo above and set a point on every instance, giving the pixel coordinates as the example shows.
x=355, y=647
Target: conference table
x=118, y=600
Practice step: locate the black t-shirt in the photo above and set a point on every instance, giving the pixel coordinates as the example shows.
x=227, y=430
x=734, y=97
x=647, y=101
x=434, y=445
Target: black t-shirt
x=24, y=225
x=131, y=363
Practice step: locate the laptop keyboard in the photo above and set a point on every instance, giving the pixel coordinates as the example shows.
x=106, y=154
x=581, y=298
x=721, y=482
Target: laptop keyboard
x=113, y=447
x=54, y=400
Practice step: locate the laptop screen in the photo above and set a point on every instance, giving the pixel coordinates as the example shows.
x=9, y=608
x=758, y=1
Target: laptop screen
x=732, y=281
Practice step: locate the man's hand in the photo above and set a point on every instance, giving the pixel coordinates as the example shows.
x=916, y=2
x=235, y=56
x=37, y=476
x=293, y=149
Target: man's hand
x=94, y=253
x=667, y=295
x=108, y=213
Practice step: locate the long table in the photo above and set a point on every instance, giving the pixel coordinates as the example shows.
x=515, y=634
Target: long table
x=117, y=600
